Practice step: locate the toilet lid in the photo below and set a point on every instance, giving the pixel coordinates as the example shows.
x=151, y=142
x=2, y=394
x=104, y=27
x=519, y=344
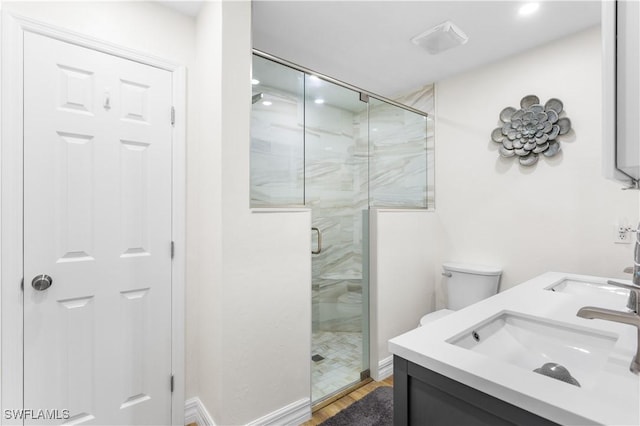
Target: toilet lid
x=435, y=316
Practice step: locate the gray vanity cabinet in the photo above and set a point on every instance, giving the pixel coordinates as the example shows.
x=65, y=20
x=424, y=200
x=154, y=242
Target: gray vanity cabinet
x=424, y=397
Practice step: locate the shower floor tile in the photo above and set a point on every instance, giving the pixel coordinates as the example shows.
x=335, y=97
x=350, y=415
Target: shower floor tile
x=342, y=363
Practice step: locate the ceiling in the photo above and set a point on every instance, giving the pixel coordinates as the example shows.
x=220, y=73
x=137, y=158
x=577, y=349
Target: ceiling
x=367, y=43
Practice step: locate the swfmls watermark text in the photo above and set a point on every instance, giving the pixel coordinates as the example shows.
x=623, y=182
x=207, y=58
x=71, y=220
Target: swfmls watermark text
x=39, y=414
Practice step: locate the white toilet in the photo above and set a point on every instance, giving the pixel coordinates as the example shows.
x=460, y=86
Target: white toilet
x=465, y=284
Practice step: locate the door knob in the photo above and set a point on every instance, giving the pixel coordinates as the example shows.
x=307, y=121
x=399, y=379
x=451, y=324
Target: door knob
x=41, y=282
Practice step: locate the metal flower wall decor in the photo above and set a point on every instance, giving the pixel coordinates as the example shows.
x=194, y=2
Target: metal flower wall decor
x=531, y=130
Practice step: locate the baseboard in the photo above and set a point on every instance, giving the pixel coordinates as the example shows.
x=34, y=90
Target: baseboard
x=195, y=412
x=385, y=368
x=293, y=414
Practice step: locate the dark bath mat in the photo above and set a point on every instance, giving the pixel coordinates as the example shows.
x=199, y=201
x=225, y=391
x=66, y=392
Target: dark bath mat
x=375, y=409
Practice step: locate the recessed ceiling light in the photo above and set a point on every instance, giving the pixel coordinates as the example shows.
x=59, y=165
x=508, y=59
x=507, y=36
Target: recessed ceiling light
x=319, y=101
x=267, y=103
x=255, y=82
x=528, y=8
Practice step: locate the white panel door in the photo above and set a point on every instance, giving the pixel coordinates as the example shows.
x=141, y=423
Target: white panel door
x=97, y=220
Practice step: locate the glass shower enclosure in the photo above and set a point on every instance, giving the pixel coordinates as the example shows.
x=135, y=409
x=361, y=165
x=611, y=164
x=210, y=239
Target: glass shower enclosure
x=329, y=147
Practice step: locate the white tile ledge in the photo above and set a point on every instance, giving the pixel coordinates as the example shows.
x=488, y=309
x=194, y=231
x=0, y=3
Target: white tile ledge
x=280, y=209
x=308, y=209
x=403, y=210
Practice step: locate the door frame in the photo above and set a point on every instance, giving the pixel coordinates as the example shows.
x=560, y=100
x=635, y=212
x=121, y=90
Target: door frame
x=12, y=29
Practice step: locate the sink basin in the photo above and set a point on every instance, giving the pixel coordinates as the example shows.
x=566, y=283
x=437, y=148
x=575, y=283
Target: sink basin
x=529, y=342
x=601, y=292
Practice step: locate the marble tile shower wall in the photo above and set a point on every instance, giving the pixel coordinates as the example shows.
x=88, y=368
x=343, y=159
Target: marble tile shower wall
x=423, y=99
x=398, y=161
x=277, y=150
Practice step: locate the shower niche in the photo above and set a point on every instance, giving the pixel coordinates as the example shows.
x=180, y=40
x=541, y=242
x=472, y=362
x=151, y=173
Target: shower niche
x=324, y=145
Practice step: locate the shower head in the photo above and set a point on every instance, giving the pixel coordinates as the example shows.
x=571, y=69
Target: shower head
x=255, y=98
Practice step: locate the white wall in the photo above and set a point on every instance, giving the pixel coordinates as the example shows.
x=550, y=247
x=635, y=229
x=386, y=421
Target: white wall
x=254, y=306
x=204, y=271
x=555, y=216
x=402, y=286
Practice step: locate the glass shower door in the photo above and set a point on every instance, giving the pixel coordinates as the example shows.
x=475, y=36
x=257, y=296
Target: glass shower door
x=336, y=190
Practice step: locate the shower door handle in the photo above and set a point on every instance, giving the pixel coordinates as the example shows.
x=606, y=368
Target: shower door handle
x=319, y=241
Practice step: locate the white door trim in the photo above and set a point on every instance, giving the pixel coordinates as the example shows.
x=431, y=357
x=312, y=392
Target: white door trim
x=12, y=29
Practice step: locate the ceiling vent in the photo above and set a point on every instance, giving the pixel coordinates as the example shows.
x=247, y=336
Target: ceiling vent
x=440, y=38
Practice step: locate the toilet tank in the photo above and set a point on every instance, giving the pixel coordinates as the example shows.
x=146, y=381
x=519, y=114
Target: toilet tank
x=467, y=284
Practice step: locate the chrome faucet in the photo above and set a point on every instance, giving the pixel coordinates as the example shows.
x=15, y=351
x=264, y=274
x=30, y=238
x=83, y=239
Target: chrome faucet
x=634, y=270
x=631, y=318
x=633, y=303
x=636, y=258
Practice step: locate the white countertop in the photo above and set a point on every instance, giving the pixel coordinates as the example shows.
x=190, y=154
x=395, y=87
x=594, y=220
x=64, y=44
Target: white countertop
x=614, y=400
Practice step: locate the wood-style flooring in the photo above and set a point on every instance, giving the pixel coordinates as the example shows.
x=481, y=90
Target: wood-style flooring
x=342, y=403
